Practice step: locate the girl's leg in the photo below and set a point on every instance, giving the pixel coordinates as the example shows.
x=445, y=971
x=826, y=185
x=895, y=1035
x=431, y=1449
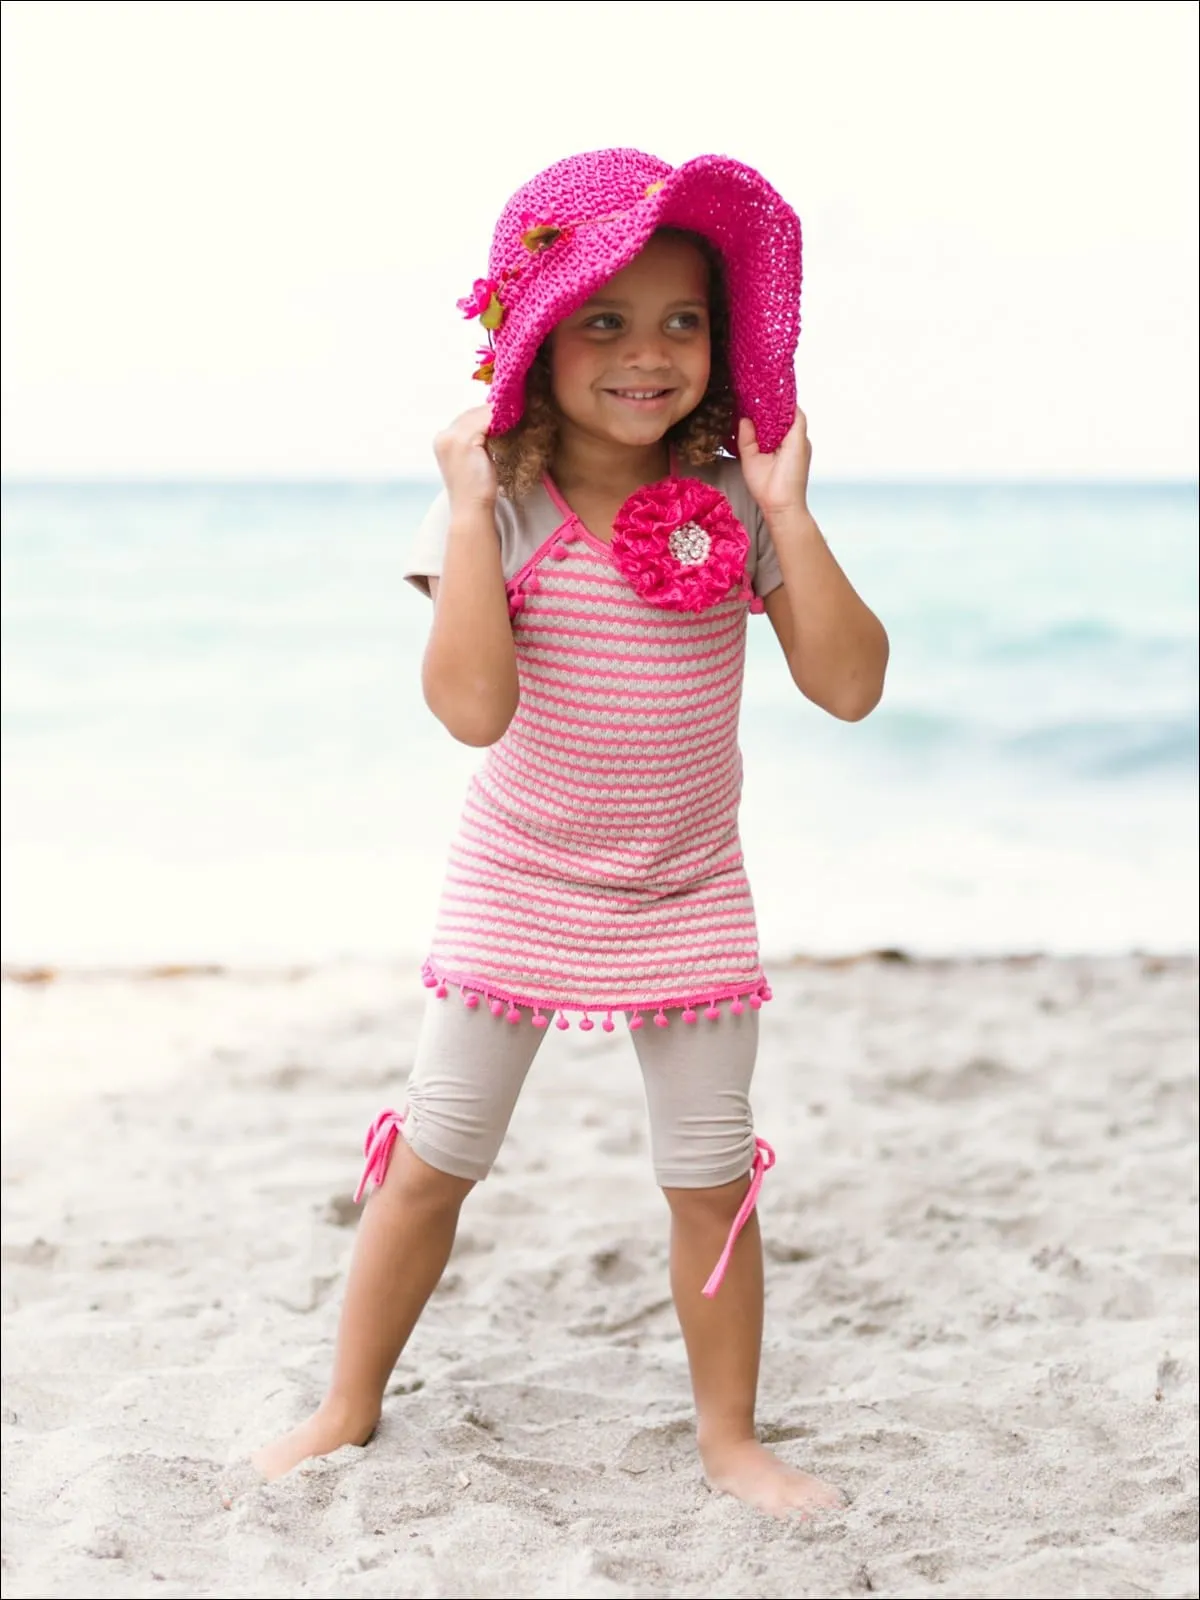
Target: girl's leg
x=697, y=1087
x=468, y=1072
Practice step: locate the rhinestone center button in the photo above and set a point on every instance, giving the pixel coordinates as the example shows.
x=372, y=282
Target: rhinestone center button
x=690, y=544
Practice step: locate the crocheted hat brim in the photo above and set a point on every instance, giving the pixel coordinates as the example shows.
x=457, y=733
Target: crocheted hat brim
x=758, y=236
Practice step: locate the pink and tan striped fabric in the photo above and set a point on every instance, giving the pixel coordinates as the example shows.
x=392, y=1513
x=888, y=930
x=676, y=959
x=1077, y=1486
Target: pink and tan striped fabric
x=598, y=867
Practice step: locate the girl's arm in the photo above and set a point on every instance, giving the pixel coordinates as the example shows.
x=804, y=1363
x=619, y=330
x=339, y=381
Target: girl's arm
x=836, y=647
x=469, y=674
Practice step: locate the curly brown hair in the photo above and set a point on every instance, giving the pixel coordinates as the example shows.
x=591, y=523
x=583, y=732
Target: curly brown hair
x=526, y=452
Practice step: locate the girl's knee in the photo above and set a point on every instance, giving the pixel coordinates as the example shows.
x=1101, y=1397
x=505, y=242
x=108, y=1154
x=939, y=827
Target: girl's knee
x=457, y=1143
x=414, y=1181
x=701, y=1119
x=716, y=1205
x=711, y=1155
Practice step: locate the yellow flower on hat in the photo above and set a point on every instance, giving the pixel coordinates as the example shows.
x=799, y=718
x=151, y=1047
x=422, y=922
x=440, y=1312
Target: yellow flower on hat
x=541, y=237
x=492, y=314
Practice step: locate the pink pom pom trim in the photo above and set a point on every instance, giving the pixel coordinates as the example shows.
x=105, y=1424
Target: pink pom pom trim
x=512, y=1006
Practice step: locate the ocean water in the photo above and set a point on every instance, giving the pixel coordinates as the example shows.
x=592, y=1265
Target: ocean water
x=215, y=746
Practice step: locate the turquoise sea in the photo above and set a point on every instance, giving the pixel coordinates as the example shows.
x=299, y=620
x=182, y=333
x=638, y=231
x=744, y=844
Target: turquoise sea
x=215, y=746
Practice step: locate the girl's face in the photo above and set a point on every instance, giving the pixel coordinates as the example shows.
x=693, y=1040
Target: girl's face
x=635, y=359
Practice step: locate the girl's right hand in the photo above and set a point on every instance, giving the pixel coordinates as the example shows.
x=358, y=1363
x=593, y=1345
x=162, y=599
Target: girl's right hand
x=463, y=460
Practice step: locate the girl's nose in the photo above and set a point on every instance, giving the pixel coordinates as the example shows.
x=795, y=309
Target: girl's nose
x=649, y=354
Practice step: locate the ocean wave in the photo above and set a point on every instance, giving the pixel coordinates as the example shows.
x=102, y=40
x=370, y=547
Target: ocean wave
x=1081, y=749
x=1069, y=639
x=1115, y=749
x=214, y=692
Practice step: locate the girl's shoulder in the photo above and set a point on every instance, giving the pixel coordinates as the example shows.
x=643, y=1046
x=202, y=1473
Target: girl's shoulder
x=523, y=527
x=762, y=563
x=725, y=474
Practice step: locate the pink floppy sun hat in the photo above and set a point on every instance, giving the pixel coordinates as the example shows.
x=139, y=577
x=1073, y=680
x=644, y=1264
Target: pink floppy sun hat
x=574, y=226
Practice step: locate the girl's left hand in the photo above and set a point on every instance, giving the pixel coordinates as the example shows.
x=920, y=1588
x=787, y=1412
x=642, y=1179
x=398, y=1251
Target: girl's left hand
x=778, y=482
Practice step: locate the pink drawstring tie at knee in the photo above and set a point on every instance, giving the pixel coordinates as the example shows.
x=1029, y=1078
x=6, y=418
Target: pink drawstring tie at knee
x=764, y=1160
x=385, y=1130
x=377, y=1146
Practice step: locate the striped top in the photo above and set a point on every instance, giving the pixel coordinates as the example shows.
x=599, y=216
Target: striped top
x=597, y=866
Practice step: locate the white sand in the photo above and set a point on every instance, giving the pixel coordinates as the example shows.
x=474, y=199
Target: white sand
x=982, y=1241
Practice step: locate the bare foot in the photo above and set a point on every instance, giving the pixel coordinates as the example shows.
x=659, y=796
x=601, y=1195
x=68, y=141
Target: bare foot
x=749, y=1472
x=327, y=1430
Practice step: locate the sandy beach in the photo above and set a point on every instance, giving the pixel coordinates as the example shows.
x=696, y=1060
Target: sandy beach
x=981, y=1303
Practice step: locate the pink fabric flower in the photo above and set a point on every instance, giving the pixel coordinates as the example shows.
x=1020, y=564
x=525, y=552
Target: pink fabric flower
x=479, y=299
x=680, y=544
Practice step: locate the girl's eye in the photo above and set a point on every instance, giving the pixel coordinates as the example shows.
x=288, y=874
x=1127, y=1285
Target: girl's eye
x=684, y=322
x=603, y=322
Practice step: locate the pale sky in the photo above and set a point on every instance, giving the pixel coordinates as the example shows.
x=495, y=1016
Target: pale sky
x=233, y=234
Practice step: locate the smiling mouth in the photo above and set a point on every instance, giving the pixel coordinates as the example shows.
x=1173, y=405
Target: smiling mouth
x=640, y=396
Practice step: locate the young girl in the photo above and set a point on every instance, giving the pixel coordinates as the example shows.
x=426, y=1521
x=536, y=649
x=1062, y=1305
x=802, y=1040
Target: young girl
x=636, y=486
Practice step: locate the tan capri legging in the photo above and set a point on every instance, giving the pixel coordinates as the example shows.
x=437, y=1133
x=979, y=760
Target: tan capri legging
x=470, y=1066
